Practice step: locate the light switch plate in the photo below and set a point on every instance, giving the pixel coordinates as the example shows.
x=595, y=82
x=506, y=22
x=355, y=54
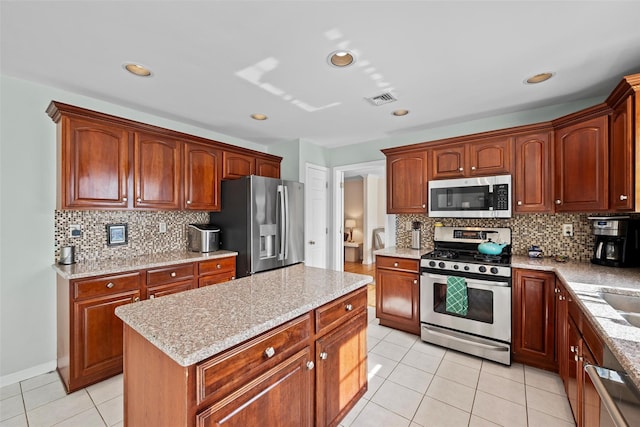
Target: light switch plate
x=75, y=230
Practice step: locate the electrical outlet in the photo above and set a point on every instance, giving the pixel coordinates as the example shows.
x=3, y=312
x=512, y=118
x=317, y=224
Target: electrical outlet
x=407, y=226
x=567, y=230
x=162, y=227
x=75, y=230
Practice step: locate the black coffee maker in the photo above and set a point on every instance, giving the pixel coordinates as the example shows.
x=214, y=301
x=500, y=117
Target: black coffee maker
x=617, y=241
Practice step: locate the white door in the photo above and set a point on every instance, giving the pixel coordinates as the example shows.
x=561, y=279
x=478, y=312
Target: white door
x=316, y=210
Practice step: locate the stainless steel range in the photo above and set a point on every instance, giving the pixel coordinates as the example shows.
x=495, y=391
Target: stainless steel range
x=465, y=296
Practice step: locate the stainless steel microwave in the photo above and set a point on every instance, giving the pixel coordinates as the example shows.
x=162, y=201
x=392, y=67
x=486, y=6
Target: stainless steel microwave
x=482, y=197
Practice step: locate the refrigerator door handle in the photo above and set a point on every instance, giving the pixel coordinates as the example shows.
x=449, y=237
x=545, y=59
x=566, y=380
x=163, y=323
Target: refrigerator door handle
x=285, y=235
x=280, y=216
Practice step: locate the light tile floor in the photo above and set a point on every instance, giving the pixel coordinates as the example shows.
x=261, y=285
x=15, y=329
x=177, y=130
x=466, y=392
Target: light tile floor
x=411, y=384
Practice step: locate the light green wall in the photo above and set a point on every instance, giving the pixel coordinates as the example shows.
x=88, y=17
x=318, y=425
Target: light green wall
x=295, y=156
x=27, y=204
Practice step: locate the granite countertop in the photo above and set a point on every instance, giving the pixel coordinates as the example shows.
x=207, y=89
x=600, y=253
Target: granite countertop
x=194, y=325
x=114, y=266
x=584, y=281
x=403, y=252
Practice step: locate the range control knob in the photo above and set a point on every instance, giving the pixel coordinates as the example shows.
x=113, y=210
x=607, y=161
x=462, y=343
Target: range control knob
x=455, y=267
x=432, y=263
x=494, y=270
x=466, y=268
x=441, y=264
x=482, y=269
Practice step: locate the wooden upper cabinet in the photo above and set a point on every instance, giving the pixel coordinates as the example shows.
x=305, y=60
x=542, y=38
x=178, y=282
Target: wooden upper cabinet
x=622, y=161
x=236, y=165
x=268, y=168
x=407, y=182
x=448, y=162
x=582, y=166
x=532, y=179
x=475, y=158
x=157, y=171
x=202, y=174
x=93, y=161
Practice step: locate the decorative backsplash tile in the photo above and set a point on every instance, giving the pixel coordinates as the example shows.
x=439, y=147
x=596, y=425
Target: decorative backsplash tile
x=143, y=228
x=544, y=230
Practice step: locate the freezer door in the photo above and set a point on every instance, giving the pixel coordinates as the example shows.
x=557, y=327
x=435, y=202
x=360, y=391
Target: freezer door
x=265, y=223
x=294, y=227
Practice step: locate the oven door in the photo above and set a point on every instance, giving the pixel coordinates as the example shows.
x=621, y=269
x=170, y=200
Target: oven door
x=489, y=307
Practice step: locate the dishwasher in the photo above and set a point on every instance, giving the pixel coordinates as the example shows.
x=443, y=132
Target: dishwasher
x=619, y=397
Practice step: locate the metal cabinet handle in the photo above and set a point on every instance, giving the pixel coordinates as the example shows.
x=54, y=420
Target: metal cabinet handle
x=424, y=206
x=415, y=282
x=473, y=168
x=558, y=202
x=136, y=299
x=188, y=202
x=173, y=274
x=110, y=285
x=460, y=169
x=218, y=266
x=269, y=352
x=572, y=348
x=124, y=199
x=519, y=202
x=310, y=365
x=348, y=307
x=623, y=197
x=395, y=264
x=138, y=199
x=311, y=242
x=152, y=296
x=324, y=355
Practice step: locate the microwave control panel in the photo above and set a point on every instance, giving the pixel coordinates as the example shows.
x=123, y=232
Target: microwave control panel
x=501, y=197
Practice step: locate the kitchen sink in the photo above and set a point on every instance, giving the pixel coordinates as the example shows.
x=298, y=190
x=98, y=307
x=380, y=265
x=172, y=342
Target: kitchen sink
x=624, y=303
x=633, y=318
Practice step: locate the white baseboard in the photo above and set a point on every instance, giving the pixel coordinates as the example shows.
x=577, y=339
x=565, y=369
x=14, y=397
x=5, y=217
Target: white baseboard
x=25, y=374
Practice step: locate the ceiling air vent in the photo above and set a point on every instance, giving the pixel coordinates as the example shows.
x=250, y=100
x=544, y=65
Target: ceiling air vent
x=385, y=98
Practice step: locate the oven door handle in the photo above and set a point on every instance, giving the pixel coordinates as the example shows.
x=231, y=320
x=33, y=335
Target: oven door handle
x=471, y=283
x=475, y=343
x=607, y=401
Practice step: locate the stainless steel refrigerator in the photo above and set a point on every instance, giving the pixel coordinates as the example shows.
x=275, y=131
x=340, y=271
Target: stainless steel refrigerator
x=263, y=220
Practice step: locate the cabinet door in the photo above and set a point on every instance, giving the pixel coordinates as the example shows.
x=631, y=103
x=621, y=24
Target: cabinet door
x=407, y=183
x=574, y=370
x=621, y=185
x=280, y=397
x=534, y=318
x=581, y=166
x=236, y=165
x=448, y=162
x=95, y=165
x=491, y=157
x=202, y=176
x=398, y=299
x=532, y=174
x=97, y=338
x=562, y=338
x=267, y=168
x=341, y=376
x=156, y=172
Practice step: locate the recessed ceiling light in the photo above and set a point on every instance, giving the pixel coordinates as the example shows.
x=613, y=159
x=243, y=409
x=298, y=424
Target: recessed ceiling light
x=259, y=116
x=341, y=58
x=137, y=69
x=538, y=78
x=400, y=112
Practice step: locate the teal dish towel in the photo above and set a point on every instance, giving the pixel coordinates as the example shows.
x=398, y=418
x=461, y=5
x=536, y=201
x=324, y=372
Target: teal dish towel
x=457, y=301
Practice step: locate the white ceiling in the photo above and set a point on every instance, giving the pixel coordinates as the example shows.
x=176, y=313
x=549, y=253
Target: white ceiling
x=215, y=63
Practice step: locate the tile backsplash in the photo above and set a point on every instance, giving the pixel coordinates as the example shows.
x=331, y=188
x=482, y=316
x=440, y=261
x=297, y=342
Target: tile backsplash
x=143, y=229
x=544, y=230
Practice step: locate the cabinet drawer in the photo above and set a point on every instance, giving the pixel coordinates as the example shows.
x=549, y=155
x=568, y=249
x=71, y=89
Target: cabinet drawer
x=216, y=278
x=222, y=374
x=106, y=285
x=170, y=274
x=339, y=311
x=168, y=289
x=398, y=263
x=218, y=265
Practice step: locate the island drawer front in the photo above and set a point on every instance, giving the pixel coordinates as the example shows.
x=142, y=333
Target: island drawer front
x=339, y=311
x=224, y=373
x=106, y=285
x=217, y=265
x=398, y=263
x=174, y=273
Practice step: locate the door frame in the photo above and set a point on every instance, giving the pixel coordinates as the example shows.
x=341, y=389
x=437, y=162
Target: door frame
x=337, y=224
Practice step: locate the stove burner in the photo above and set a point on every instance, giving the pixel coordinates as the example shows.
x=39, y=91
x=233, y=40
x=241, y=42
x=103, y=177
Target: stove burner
x=488, y=258
x=445, y=254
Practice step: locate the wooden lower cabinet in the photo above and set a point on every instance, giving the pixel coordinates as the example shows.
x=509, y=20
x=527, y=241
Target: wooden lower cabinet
x=216, y=271
x=533, y=326
x=398, y=293
x=274, y=379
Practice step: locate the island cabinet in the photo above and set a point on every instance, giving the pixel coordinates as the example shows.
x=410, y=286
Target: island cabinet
x=267, y=380
x=398, y=293
x=578, y=345
x=624, y=140
x=491, y=156
x=534, y=318
x=407, y=182
x=108, y=162
x=581, y=165
x=532, y=178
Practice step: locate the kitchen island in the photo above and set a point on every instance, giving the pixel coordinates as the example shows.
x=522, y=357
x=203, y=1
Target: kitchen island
x=243, y=352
